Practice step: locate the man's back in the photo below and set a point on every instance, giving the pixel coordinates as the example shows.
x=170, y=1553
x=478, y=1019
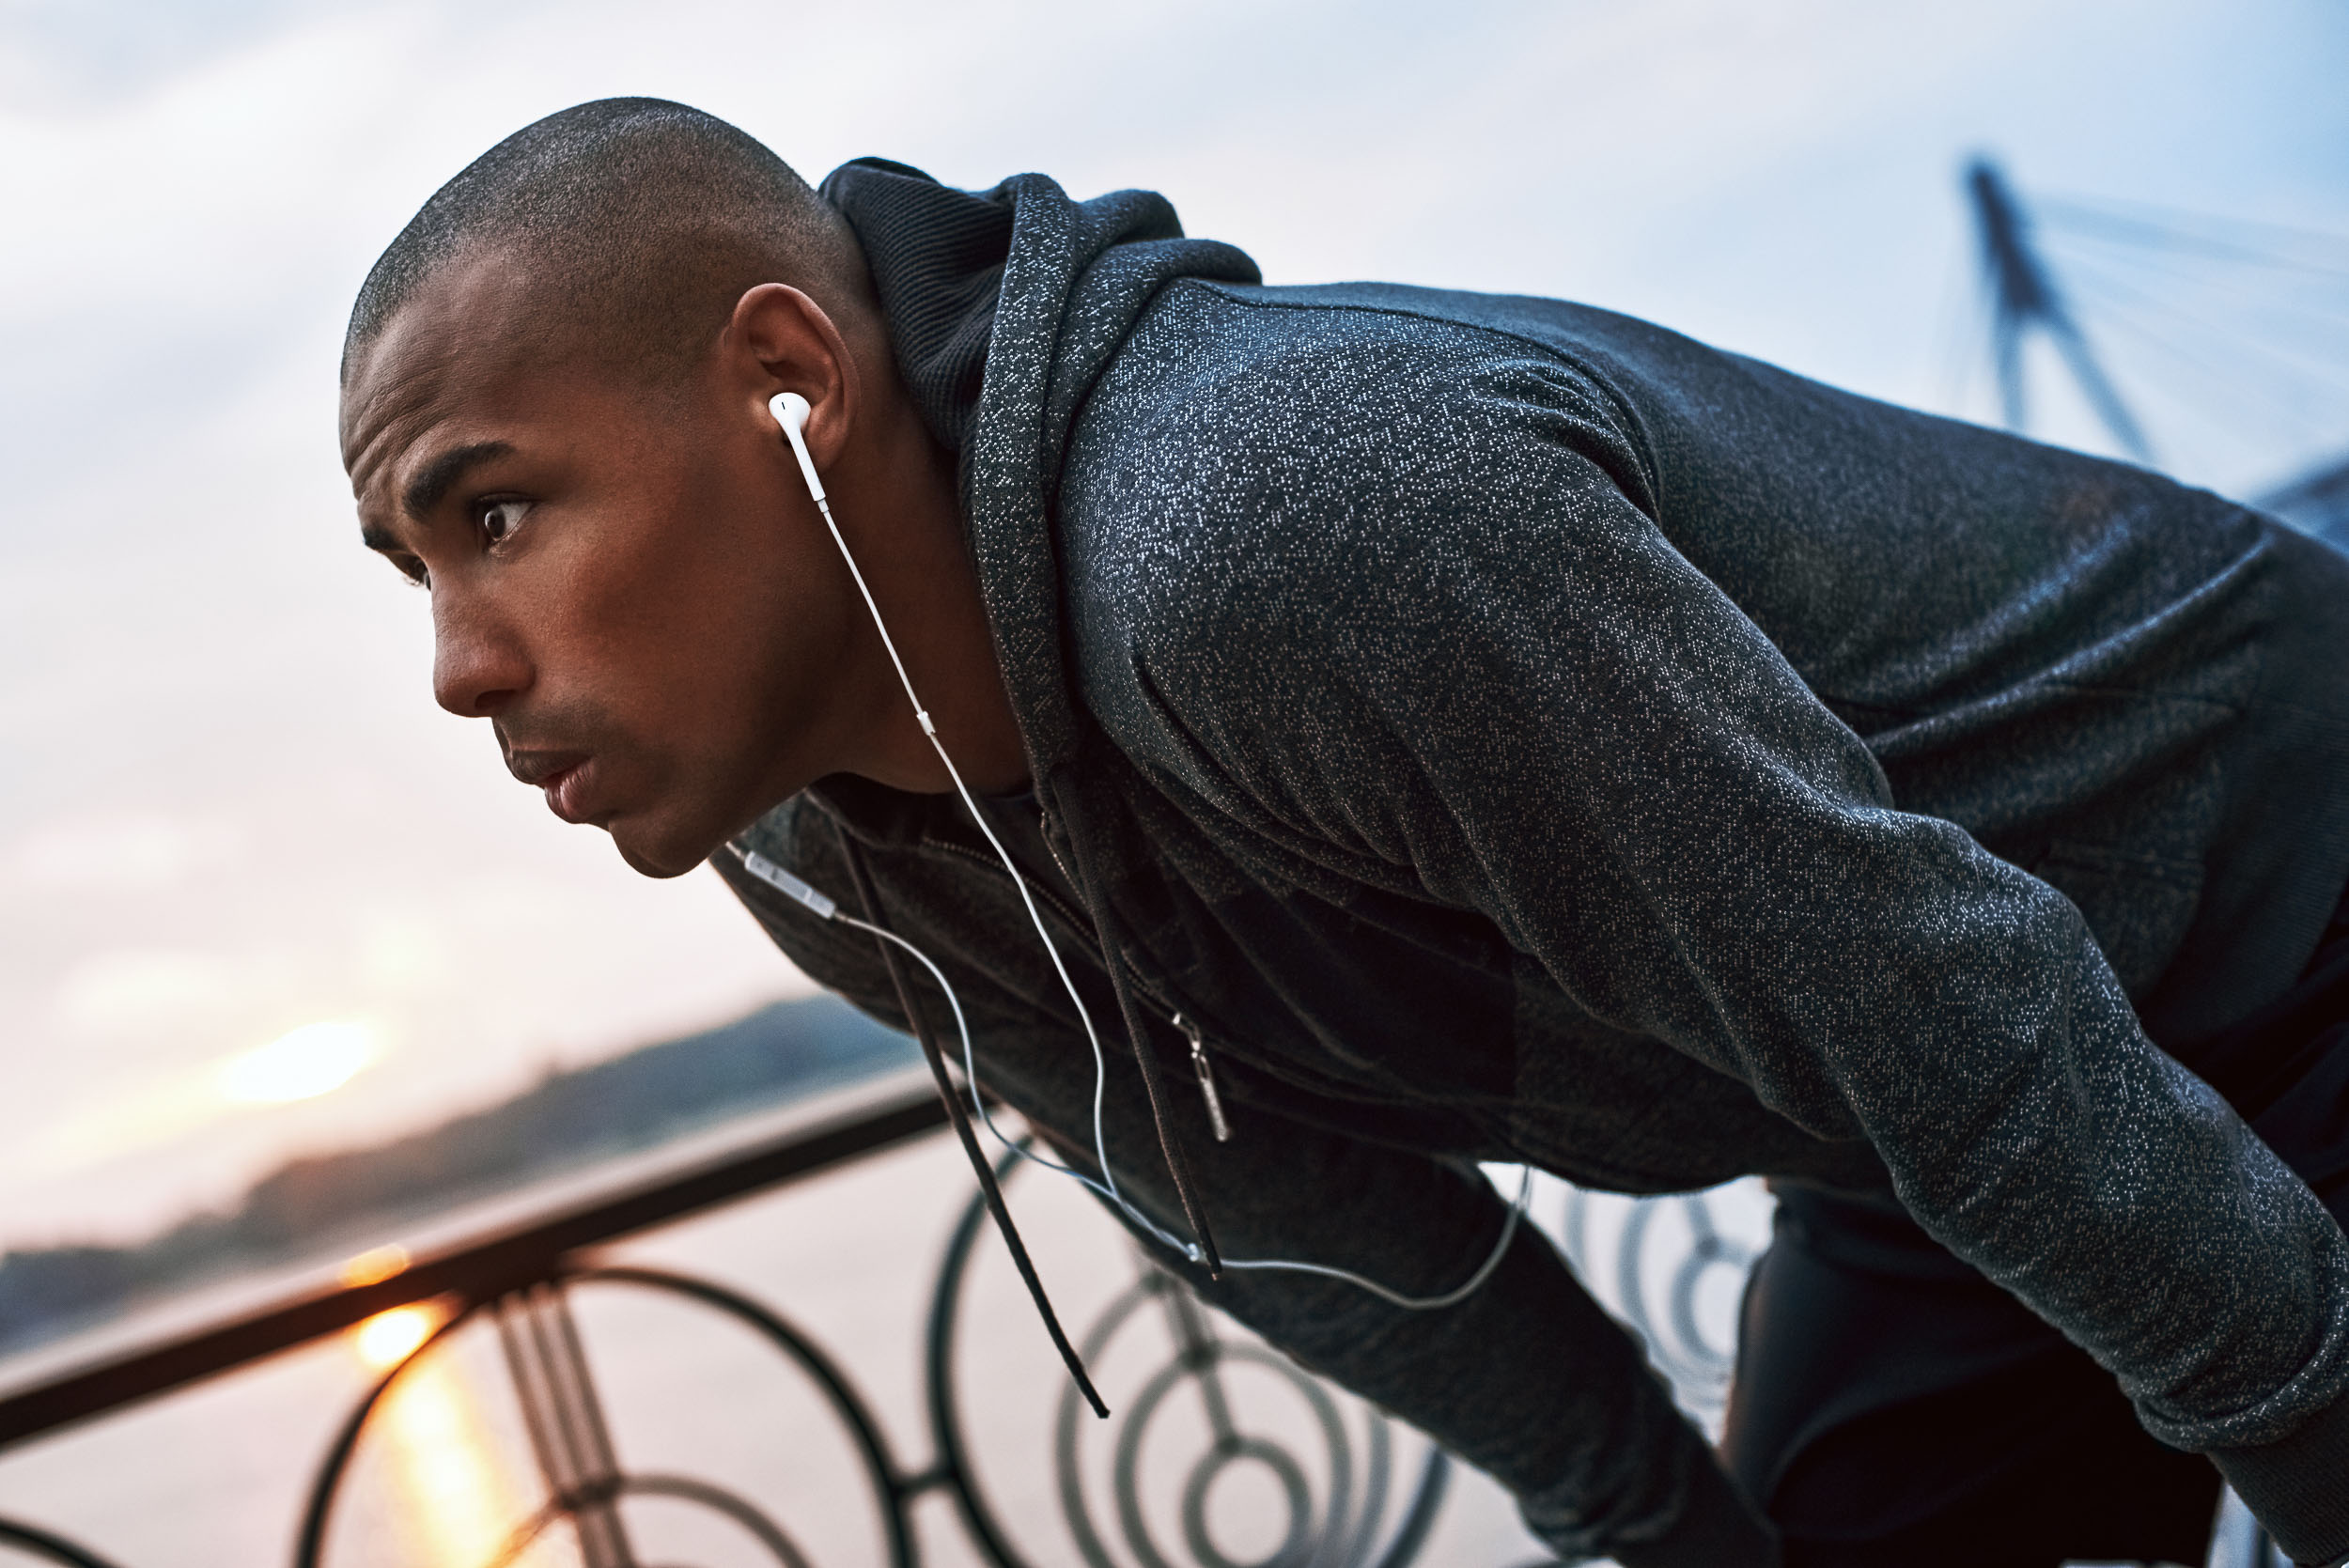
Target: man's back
x=2122, y=684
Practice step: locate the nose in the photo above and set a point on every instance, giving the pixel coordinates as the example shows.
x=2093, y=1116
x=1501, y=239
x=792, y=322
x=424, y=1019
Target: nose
x=479, y=667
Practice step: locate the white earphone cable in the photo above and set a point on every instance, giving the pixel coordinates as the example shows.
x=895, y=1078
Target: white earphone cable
x=930, y=732
x=790, y=410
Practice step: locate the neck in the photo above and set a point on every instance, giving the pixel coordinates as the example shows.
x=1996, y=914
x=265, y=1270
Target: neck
x=897, y=507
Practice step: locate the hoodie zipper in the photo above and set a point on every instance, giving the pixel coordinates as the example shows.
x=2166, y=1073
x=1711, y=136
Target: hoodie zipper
x=1201, y=1066
x=1203, y=1251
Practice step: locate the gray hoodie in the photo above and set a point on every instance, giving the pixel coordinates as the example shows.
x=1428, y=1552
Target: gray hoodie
x=1505, y=730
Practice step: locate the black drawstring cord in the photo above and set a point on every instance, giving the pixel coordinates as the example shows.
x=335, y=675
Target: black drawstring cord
x=961, y=1118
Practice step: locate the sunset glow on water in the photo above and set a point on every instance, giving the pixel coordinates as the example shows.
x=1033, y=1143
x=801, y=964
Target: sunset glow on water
x=451, y=1493
x=387, y=1339
x=432, y=1467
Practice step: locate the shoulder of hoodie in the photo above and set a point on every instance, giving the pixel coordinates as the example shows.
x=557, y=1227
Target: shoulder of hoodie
x=1241, y=370
x=1255, y=457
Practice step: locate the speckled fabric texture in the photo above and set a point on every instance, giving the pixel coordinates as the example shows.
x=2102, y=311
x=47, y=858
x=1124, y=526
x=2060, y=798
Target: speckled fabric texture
x=1514, y=731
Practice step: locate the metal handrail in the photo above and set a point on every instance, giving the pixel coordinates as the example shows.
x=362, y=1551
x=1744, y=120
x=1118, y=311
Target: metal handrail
x=477, y=1269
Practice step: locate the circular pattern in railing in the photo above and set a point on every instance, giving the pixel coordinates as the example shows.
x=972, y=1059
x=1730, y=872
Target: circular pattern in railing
x=509, y=1460
x=1674, y=1271
x=1218, y=1452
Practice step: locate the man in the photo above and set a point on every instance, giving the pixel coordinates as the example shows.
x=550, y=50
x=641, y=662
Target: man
x=1460, y=729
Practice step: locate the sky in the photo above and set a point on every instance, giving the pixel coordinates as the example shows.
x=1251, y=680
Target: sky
x=258, y=896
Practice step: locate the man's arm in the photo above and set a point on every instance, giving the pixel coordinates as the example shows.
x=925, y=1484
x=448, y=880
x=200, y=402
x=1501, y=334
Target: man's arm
x=1526, y=1380
x=1493, y=667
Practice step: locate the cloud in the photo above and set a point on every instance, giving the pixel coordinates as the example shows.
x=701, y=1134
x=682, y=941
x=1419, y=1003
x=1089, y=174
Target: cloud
x=139, y=991
x=134, y=854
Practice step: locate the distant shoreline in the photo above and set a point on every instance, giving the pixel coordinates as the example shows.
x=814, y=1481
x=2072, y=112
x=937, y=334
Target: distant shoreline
x=566, y=1120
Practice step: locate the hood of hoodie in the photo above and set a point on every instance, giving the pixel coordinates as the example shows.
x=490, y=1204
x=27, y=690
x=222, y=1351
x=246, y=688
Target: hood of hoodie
x=1004, y=306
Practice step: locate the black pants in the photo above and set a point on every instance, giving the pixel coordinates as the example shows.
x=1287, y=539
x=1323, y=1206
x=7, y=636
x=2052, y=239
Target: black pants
x=1894, y=1409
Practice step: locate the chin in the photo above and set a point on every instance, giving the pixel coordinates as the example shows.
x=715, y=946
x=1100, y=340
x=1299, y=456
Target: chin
x=656, y=854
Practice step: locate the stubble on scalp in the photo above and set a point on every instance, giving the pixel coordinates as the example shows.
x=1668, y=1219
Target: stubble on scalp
x=635, y=223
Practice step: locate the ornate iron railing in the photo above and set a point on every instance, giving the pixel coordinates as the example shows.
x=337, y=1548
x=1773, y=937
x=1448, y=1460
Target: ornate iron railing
x=1356, y=1490
x=1197, y=1402
x=1336, y=1501
x=1655, y=1278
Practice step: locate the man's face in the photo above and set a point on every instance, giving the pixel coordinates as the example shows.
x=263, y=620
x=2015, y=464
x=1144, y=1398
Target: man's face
x=622, y=580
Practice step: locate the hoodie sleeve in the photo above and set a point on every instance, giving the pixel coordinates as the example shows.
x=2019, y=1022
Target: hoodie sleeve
x=1449, y=635
x=1527, y=1379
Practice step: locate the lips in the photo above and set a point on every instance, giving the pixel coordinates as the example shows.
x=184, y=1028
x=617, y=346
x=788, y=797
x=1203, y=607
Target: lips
x=566, y=791
x=562, y=774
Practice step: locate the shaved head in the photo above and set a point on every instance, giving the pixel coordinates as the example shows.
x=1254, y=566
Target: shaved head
x=637, y=223
x=556, y=418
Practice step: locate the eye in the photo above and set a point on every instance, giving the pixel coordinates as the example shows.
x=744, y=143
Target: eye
x=498, y=519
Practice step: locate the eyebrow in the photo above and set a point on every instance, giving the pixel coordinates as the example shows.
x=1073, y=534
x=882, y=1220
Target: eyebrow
x=427, y=488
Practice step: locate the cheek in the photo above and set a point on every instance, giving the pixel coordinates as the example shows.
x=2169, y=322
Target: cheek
x=706, y=622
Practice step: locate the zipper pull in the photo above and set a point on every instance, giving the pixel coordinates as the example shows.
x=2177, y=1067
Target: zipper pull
x=1206, y=1070
x=1044, y=830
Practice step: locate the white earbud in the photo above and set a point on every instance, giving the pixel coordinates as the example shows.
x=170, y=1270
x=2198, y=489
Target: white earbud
x=791, y=410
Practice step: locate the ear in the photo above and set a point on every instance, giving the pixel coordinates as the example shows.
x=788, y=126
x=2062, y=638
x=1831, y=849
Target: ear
x=781, y=340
